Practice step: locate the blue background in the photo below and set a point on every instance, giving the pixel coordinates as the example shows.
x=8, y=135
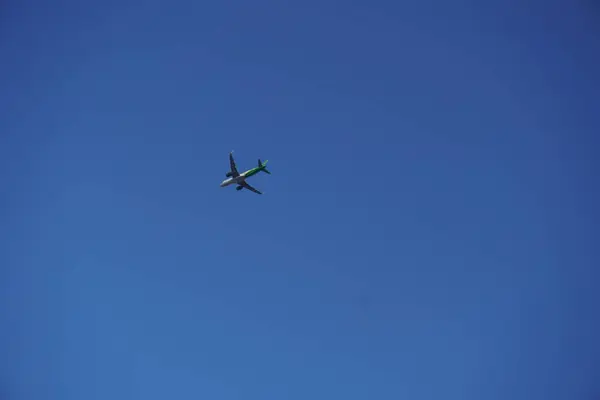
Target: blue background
x=428, y=232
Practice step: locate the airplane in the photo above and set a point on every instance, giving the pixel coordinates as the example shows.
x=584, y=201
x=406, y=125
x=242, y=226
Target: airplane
x=234, y=177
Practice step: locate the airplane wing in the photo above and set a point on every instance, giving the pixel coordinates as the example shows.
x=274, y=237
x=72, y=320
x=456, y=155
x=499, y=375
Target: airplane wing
x=247, y=186
x=234, y=171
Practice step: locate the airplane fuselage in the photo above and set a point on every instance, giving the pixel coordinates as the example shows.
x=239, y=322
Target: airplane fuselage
x=242, y=177
x=234, y=180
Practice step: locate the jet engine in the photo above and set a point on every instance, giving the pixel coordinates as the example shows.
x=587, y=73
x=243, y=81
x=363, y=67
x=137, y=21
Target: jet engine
x=239, y=188
x=229, y=174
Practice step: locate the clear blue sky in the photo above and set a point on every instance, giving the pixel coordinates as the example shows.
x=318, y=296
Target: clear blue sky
x=427, y=232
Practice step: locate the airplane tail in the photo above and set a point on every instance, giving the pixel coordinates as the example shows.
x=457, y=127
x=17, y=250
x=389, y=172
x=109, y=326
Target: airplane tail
x=263, y=167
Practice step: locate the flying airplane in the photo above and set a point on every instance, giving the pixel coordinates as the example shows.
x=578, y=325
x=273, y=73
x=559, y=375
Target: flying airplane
x=234, y=177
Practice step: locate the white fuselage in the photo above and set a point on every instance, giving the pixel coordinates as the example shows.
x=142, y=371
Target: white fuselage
x=233, y=180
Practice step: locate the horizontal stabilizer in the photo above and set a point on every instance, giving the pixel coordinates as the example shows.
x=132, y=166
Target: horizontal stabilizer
x=263, y=167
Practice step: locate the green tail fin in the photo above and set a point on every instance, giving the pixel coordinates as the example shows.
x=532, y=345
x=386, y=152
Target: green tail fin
x=263, y=167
